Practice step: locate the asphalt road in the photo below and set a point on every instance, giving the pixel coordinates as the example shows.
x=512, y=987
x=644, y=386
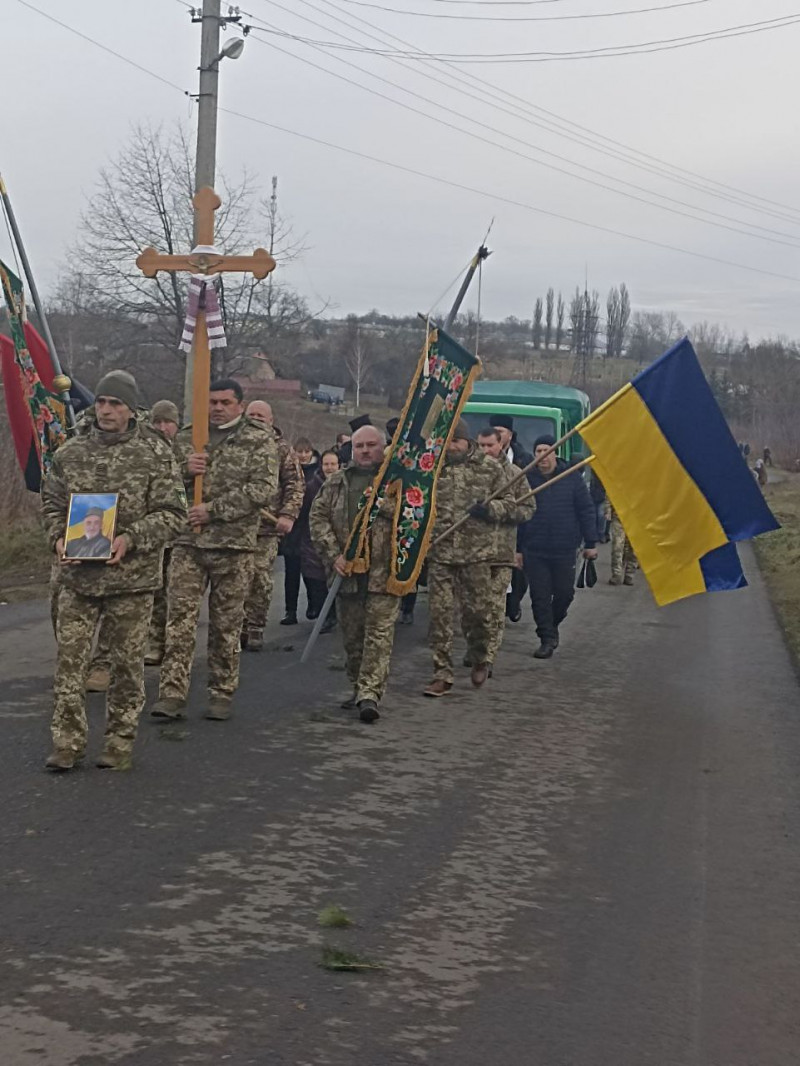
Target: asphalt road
x=592, y=862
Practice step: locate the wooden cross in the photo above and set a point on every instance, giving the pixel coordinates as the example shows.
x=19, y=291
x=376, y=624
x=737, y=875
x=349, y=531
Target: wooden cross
x=204, y=260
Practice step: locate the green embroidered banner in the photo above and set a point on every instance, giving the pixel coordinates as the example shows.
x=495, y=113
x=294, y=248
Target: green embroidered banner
x=441, y=386
x=47, y=411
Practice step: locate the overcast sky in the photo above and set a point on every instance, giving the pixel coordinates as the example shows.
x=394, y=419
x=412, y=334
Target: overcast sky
x=382, y=237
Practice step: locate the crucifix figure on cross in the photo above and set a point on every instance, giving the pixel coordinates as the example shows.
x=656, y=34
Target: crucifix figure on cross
x=202, y=262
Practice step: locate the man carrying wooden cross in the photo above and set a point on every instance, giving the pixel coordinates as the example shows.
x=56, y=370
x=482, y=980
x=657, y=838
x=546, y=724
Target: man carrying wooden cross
x=233, y=464
x=239, y=467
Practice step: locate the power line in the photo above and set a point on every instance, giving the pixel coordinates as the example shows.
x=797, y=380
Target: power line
x=790, y=242
x=555, y=123
x=104, y=47
x=438, y=180
x=665, y=44
x=506, y=199
x=525, y=18
x=527, y=144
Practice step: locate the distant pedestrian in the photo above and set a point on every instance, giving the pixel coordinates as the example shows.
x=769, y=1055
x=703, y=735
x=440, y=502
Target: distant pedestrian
x=623, y=560
x=311, y=566
x=760, y=469
x=767, y=457
x=277, y=522
x=303, y=450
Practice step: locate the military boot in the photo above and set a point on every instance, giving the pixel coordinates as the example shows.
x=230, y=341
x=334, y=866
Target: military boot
x=219, y=709
x=480, y=672
x=545, y=650
x=255, y=640
x=628, y=579
x=169, y=708
x=368, y=711
x=115, y=760
x=615, y=579
x=438, y=688
x=63, y=759
x=98, y=679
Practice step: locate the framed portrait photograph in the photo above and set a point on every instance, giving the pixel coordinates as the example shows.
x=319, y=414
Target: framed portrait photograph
x=91, y=520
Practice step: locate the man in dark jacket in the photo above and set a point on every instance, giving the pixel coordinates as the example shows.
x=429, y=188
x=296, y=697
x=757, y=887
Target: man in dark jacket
x=549, y=542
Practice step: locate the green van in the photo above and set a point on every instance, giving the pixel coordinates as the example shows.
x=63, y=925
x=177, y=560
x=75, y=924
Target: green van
x=536, y=408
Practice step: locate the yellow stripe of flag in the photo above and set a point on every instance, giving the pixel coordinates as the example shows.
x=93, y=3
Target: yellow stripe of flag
x=670, y=523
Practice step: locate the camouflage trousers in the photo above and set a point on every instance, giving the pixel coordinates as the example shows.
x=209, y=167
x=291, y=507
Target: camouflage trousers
x=501, y=576
x=471, y=588
x=126, y=618
x=259, y=598
x=623, y=560
x=191, y=572
x=367, y=621
x=101, y=659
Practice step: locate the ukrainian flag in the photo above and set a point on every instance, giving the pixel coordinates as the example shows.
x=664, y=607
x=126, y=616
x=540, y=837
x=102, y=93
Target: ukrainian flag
x=675, y=477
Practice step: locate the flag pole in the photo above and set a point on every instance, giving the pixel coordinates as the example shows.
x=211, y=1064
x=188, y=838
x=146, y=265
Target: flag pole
x=481, y=254
x=61, y=382
x=512, y=481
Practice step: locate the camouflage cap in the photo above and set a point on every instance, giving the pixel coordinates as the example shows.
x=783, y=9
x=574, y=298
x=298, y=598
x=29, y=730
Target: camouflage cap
x=165, y=411
x=119, y=385
x=96, y=511
x=461, y=431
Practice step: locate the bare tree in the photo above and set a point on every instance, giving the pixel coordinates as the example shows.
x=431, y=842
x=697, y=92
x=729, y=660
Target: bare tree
x=591, y=320
x=548, y=318
x=612, y=321
x=537, y=323
x=623, y=322
x=577, y=312
x=561, y=310
x=358, y=355
x=144, y=198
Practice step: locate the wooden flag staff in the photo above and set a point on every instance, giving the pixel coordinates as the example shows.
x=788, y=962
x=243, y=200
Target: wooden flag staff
x=206, y=260
x=517, y=477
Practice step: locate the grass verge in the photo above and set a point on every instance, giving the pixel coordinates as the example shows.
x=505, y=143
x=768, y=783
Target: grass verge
x=24, y=562
x=778, y=555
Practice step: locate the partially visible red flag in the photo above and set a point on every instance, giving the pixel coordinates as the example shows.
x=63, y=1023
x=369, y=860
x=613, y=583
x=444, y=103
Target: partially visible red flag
x=20, y=420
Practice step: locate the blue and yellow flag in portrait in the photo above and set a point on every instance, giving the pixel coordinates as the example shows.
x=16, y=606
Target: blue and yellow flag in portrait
x=676, y=478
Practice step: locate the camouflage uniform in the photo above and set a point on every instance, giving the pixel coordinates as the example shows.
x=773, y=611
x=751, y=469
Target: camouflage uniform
x=241, y=477
x=286, y=503
x=623, y=559
x=101, y=657
x=151, y=509
x=365, y=610
x=502, y=575
x=460, y=568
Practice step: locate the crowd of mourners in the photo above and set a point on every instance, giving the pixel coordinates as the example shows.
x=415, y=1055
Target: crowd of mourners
x=134, y=600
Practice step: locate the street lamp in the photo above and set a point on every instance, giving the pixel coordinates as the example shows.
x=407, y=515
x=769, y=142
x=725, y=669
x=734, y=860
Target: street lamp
x=232, y=49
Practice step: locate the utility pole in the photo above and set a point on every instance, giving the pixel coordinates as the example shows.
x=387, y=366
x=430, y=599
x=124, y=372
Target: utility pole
x=205, y=171
x=206, y=158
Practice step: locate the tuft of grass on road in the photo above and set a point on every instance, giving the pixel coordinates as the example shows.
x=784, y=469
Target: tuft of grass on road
x=778, y=555
x=334, y=917
x=336, y=959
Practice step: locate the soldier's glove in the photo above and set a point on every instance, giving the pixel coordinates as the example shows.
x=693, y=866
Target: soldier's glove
x=481, y=511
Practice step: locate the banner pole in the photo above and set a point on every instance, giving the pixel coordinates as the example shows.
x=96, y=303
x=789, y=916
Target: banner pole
x=321, y=617
x=64, y=395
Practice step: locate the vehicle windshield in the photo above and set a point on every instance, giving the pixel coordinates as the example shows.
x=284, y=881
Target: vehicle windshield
x=527, y=427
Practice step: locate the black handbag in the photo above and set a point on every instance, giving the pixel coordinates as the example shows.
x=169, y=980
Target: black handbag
x=587, y=578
